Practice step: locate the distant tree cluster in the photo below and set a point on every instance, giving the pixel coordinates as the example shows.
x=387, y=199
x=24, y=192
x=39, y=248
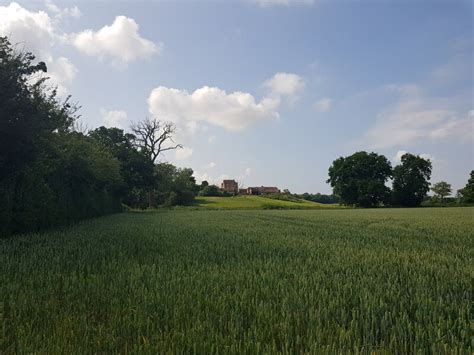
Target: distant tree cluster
x=441, y=190
x=51, y=174
x=212, y=190
x=360, y=179
x=145, y=182
x=320, y=198
x=209, y=190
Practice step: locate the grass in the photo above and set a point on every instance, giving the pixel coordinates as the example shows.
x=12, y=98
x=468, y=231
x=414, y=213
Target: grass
x=386, y=281
x=256, y=202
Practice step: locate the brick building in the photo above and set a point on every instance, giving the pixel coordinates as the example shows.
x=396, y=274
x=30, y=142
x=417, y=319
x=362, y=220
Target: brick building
x=262, y=190
x=230, y=186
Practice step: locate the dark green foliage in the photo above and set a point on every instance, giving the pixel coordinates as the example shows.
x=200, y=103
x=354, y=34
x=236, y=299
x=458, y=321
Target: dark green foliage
x=136, y=168
x=49, y=175
x=146, y=184
x=360, y=179
x=467, y=193
x=211, y=191
x=320, y=198
x=199, y=188
x=437, y=202
x=185, y=197
x=411, y=180
x=174, y=186
x=73, y=179
x=28, y=114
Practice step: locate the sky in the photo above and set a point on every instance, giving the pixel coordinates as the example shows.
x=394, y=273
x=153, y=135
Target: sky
x=267, y=92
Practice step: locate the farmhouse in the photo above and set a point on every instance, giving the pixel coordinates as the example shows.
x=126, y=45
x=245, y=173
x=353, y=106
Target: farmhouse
x=230, y=186
x=262, y=190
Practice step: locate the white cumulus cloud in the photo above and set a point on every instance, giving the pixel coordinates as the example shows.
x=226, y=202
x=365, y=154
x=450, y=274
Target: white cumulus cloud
x=233, y=111
x=323, y=105
x=33, y=31
x=113, y=118
x=285, y=84
x=119, y=41
x=36, y=32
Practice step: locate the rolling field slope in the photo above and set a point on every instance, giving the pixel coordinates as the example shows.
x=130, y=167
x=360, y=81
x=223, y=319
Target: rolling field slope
x=256, y=202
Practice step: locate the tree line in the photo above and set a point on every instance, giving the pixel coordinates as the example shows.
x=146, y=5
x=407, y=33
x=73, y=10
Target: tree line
x=360, y=180
x=53, y=174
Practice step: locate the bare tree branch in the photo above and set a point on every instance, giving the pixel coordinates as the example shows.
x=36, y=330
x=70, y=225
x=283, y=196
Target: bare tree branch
x=153, y=135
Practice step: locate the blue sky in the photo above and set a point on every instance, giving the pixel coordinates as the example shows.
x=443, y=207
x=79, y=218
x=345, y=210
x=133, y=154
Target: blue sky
x=269, y=92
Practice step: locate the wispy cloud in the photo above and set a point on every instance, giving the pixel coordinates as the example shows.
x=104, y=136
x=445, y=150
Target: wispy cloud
x=323, y=105
x=183, y=153
x=416, y=117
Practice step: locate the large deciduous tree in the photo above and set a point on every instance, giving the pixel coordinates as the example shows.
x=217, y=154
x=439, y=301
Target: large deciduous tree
x=411, y=180
x=360, y=179
x=153, y=137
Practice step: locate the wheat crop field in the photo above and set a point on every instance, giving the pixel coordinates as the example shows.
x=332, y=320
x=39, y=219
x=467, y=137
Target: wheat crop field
x=372, y=281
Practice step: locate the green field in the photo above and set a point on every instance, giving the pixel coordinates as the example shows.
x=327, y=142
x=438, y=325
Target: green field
x=391, y=281
x=256, y=202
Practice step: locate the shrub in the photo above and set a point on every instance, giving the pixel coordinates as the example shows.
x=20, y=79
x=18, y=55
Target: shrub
x=211, y=191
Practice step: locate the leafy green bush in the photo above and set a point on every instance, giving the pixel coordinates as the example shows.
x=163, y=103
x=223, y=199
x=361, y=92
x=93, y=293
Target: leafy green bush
x=210, y=191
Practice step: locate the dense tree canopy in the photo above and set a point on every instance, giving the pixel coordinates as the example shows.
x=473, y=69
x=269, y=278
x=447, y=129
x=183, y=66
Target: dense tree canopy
x=411, y=180
x=135, y=167
x=467, y=193
x=29, y=114
x=174, y=186
x=360, y=179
